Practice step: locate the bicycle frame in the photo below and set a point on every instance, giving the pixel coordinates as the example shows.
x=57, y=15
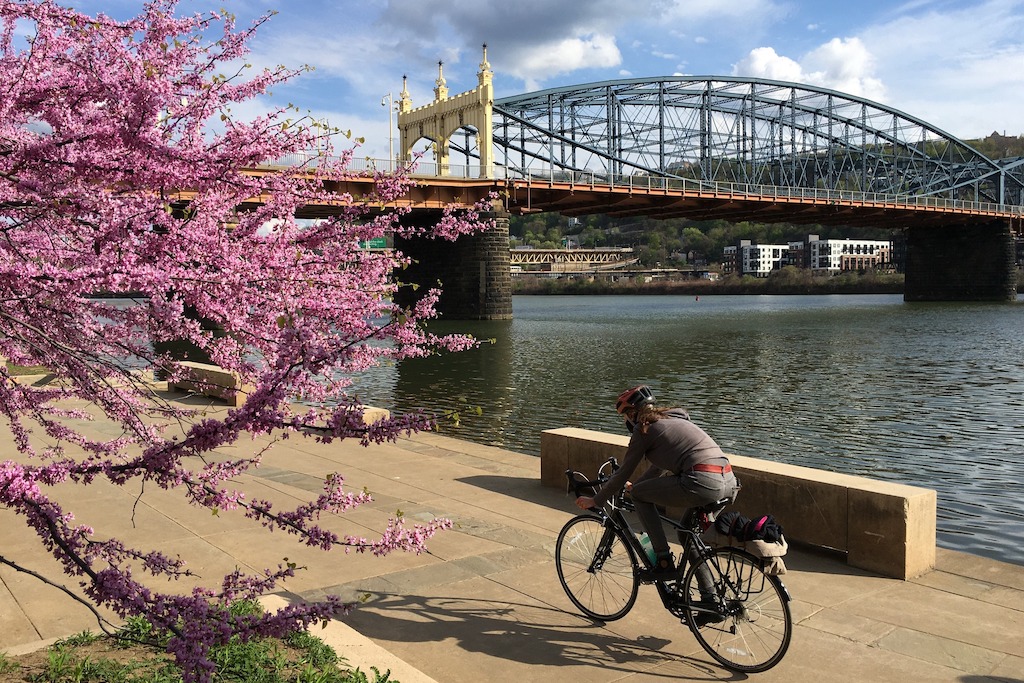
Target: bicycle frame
x=615, y=517
x=739, y=614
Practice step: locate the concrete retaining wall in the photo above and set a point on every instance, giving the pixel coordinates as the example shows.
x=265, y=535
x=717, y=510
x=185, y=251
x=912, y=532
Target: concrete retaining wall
x=212, y=380
x=882, y=527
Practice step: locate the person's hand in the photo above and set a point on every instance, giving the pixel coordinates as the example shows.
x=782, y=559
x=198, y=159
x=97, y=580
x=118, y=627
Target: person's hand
x=629, y=487
x=585, y=502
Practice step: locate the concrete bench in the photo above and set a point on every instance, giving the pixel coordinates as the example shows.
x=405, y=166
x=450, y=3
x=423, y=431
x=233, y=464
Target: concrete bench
x=883, y=527
x=211, y=380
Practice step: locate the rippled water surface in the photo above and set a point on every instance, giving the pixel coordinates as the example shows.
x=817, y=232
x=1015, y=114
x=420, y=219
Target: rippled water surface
x=925, y=394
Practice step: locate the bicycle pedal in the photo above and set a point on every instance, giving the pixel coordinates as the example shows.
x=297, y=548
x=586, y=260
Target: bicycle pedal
x=707, y=618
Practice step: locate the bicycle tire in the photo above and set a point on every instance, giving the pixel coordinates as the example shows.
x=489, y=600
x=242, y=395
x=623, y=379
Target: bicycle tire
x=602, y=587
x=754, y=624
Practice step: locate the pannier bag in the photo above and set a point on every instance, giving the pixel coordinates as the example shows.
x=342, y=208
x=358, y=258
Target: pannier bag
x=761, y=535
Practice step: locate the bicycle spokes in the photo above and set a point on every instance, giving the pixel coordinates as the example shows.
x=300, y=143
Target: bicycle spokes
x=596, y=568
x=747, y=626
x=603, y=552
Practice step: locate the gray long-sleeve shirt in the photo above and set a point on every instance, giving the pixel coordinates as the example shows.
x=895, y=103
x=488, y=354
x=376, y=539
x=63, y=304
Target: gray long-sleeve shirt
x=673, y=444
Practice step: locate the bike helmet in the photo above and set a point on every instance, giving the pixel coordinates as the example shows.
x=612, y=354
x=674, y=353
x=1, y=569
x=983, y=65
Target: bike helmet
x=634, y=398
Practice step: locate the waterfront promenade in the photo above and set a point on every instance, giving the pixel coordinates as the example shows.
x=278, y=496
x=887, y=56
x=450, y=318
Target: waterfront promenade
x=485, y=603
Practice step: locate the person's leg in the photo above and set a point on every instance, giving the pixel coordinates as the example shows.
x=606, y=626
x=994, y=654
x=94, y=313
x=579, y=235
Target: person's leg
x=708, y=488
x=648, y=495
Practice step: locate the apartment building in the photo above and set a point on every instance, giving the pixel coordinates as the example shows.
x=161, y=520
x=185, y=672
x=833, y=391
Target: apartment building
x=761, y=259
x=839, y=256
x=824, y=257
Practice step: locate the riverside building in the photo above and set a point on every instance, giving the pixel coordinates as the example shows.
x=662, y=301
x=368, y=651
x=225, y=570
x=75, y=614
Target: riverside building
x=822, y=257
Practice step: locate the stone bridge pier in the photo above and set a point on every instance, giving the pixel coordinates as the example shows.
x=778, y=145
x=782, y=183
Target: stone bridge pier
x=961, y=263
x=473, y=272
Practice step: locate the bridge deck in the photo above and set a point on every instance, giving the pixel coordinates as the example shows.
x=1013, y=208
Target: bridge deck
x=664, y=198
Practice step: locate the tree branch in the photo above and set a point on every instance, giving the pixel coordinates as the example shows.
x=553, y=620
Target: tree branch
x=106, y=626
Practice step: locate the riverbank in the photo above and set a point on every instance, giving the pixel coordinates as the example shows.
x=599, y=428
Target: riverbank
x=788, y=281
x=884, y=284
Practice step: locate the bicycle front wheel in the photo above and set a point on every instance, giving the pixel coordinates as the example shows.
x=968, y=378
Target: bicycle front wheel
x=749, y=624
x=596, y=567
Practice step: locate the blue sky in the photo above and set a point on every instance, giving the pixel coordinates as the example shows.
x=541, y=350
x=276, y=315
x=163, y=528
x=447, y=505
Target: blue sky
x=958, y=64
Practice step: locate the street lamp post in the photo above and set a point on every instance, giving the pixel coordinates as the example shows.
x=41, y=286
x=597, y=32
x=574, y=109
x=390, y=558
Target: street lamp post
x=388, y=101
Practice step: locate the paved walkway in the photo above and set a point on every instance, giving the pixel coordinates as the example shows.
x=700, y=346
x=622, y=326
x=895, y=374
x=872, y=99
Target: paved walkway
x=485, y=604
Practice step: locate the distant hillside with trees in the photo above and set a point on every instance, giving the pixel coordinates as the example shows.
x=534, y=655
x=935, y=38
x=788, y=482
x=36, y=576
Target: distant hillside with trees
x=996, y=146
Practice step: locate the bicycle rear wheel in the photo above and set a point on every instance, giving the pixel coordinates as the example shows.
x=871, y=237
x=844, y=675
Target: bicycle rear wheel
x=596, y=567
x=751, y=628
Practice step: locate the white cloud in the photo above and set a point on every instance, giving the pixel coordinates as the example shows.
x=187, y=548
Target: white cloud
x=844, y=65
x=716, y=10
x=563, y=56
x=840, y=64
x=764, y=62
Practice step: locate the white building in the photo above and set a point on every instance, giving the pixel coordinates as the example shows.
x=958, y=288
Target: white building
x=835, y=256
x=761, y=259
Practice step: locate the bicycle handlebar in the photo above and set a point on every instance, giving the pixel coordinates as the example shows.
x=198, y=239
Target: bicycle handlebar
x=577, y=483
x=581, y=486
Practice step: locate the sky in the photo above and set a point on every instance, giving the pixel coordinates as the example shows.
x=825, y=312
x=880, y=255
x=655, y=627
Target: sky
x=957, y=64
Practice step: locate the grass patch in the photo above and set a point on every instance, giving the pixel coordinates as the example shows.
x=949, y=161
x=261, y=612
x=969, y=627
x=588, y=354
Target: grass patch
x=15, y=369
x=122, y=658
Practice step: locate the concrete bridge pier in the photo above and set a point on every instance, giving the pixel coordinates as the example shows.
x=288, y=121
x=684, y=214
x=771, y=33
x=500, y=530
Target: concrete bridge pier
x=961, y=263
x=473, y=271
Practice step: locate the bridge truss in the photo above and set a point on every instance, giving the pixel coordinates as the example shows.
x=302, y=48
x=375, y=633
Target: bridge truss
x=744, y=132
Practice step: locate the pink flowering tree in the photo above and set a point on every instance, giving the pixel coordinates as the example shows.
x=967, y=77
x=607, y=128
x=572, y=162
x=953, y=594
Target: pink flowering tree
x=123, y=169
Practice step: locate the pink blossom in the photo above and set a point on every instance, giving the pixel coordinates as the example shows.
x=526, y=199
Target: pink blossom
x=103, y=124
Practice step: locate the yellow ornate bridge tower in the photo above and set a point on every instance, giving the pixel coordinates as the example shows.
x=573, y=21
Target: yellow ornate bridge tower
x=474, y=270
x=443, y=117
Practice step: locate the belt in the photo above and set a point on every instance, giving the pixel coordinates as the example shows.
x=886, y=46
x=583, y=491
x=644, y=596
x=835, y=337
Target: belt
x=717, y=469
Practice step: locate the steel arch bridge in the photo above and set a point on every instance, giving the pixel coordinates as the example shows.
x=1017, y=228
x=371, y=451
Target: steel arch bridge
x=707, y=147
x=741, y=131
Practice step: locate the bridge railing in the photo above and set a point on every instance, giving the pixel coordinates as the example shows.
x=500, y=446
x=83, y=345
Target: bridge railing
x=654, y=184
x=703, y=188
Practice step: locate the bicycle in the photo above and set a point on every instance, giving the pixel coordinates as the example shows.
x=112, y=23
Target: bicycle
x=746, y=625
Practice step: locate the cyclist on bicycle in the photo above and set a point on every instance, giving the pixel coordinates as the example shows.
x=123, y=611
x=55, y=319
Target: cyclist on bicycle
x=687, y=469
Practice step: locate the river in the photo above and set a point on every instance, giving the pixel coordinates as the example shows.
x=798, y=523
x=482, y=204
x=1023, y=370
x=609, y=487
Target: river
x=925, y=394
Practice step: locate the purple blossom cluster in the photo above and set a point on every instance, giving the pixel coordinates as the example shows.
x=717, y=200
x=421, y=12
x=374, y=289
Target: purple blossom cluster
x=123, y=169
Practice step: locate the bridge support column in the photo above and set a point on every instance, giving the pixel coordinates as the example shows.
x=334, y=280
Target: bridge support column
x=961, y=263
x=473, y=271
